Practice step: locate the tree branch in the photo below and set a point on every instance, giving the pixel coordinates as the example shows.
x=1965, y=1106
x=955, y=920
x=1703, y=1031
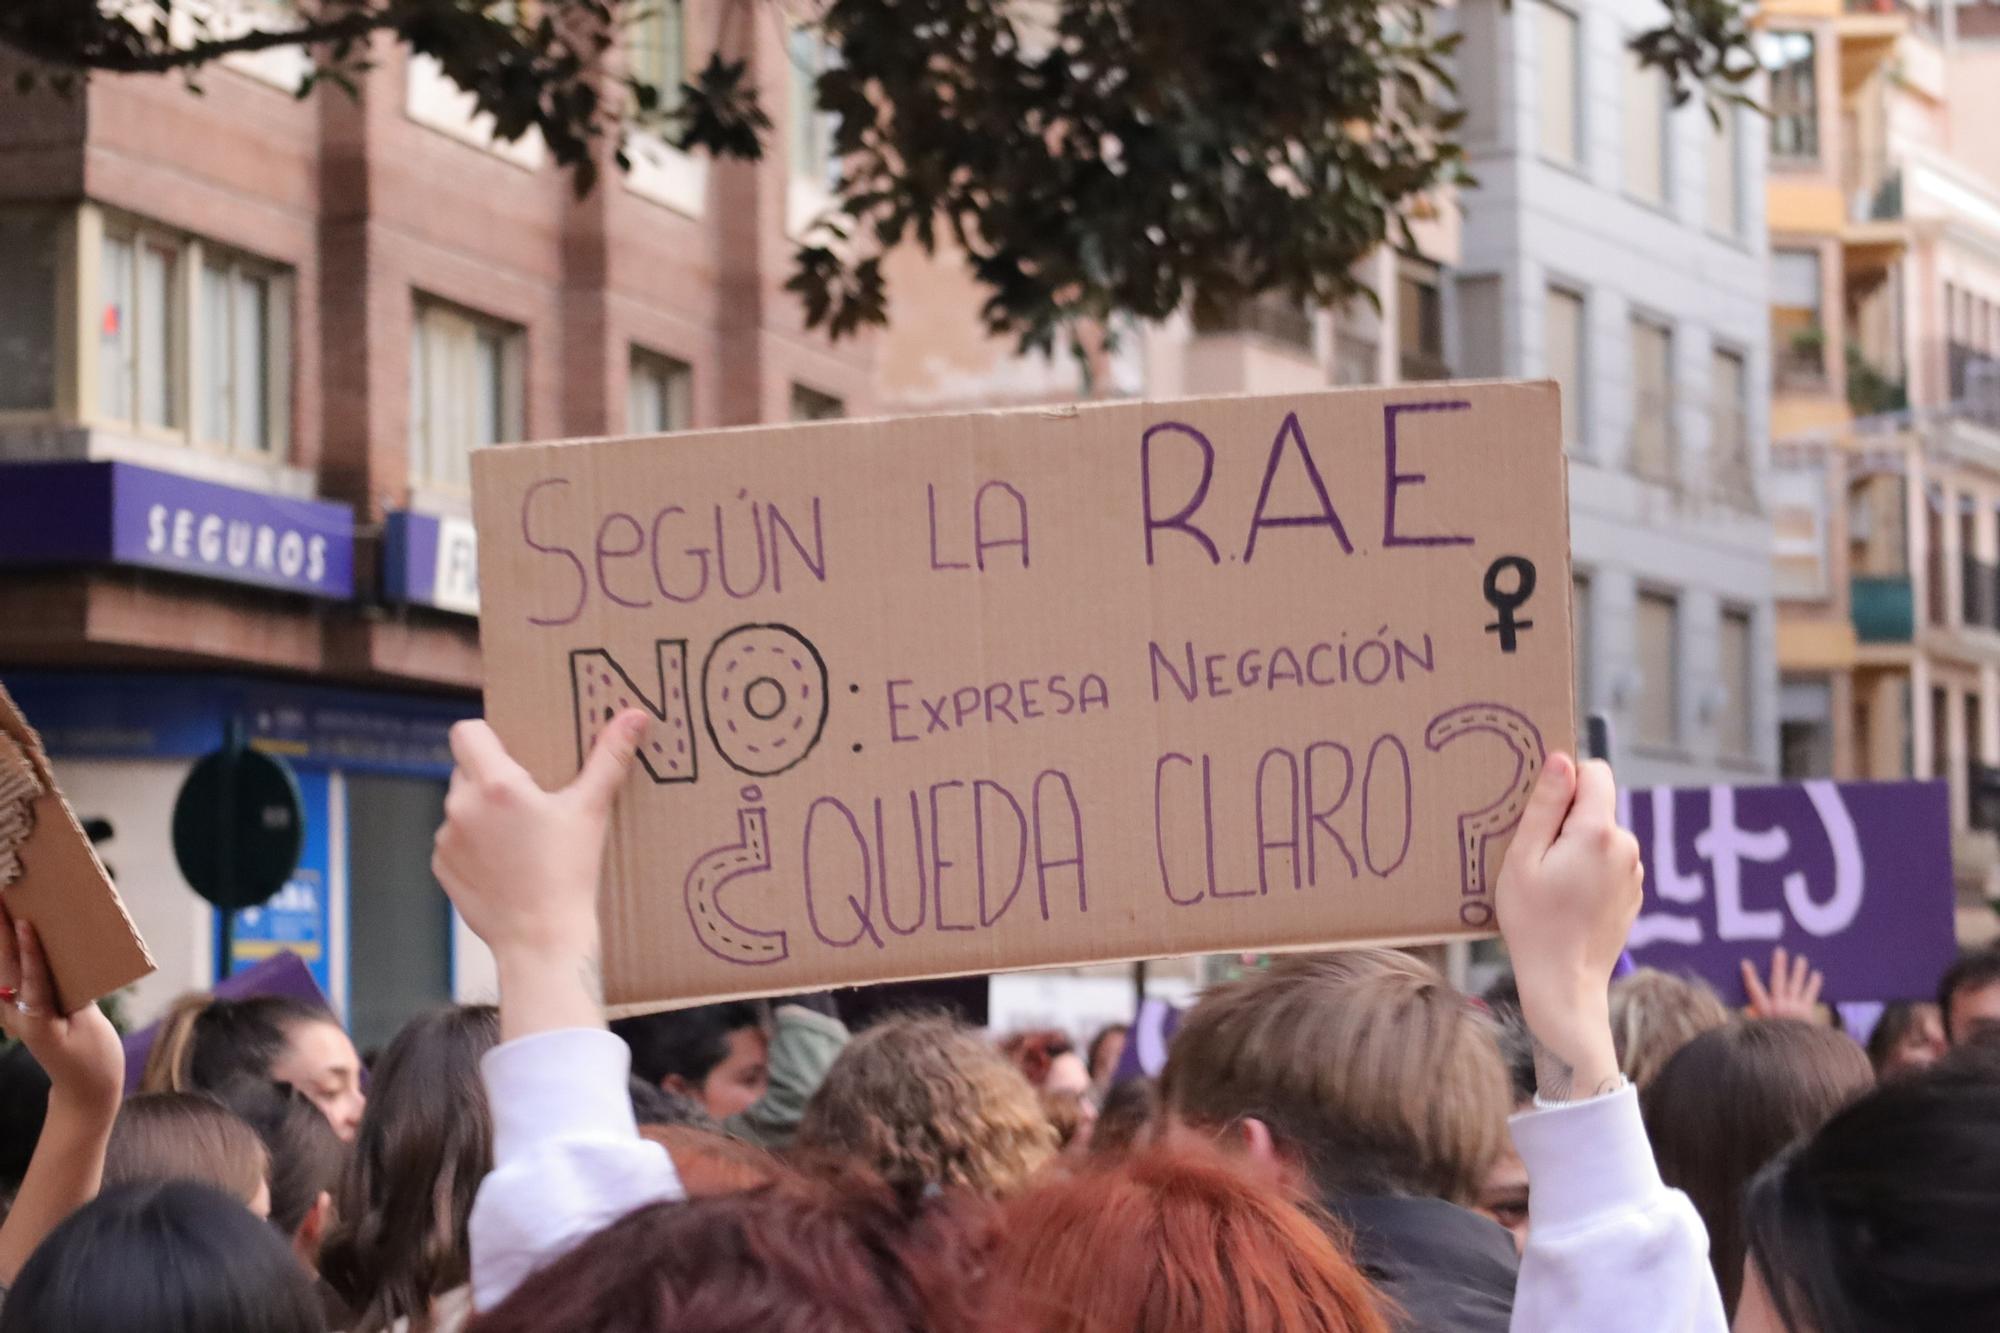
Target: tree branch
x=113, y=59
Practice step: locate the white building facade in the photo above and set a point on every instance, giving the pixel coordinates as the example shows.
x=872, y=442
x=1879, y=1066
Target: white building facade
x=1616, y=244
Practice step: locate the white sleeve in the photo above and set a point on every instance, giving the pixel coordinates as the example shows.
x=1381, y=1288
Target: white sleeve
x=567, y=1156
x=1609, y=1245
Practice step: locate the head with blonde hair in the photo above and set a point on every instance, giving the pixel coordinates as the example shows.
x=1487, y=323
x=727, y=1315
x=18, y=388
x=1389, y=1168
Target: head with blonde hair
x=1369, y=1071
x=1654, y=1014
x=1172, y=1240
x=924, y=1102
x=161, y=1136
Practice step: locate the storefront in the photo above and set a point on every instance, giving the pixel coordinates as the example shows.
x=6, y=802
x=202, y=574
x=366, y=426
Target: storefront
x=240, y=606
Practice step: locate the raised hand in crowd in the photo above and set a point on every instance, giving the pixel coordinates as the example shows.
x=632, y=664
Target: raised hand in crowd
x=86, y=1068
x=522, y=866
x=1793, y=990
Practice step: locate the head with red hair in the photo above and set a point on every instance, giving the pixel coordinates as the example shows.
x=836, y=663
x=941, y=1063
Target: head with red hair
x=795, y=1256
x=1172, y=1240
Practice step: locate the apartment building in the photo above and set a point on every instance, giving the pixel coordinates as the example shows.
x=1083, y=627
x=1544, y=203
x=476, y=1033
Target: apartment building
x=1885, y=216
x=1615, y=244
x=247, y=345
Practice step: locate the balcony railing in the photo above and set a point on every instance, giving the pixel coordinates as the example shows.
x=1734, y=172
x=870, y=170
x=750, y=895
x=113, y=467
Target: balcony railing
x=1884, y=609
x=1273, y=315
x=1422, y=365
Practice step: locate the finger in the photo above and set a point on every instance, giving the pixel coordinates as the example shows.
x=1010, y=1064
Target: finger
x=1813, y=985
x=1780, y=975
x=1760, y=999
x=1548, y=804
x=1596, y=803
x=38, y=989
x=610, y=759
x=475, y=749
x=1801, y=971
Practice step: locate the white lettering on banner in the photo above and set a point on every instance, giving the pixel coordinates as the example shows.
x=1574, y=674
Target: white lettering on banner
x=455, y=576
x=235, y=543
x=1725, y=846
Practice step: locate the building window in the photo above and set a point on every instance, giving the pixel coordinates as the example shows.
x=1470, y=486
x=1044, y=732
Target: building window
x=1735, y=654
x=1805, y=728
x=1792, y=59
x=1482, y=345
x=1798, y=337
x=812, y=130
x=1558, y=80
x=240, y=377
x=1582, y=621
x=1729, y=428
x=1275, y=315
x=1420, y=321
x=1563, y=341
x=657, y=51
x=1659, y=704
x=1645, y=131
x=659, y=394
x=28, y=312
x=138, y=349
x=1725, y=175
x=812, y=405
x=1652, y=399
x=465, y=391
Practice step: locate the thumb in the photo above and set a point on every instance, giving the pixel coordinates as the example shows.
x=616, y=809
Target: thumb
x=610, y=759
x=1548, y=805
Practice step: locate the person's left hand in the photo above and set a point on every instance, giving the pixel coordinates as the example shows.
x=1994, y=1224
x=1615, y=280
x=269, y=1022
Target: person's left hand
x=1793, y=992
x=80, y=1052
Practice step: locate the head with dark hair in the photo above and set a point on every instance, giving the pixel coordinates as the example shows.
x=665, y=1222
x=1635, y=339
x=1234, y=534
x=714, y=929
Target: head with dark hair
x=188, y=1136
x=1888, y=1218
x=1125, y=1120
x=399, y=1236
x=24, y=1105
x=713, y=1054
x=926, y=1103
x=306, y=1158
x=1969, y=995
x=1107, y=1048
x=1172, y=1240
x=1908, y=1036
x=1047, y=1058
x=165, y=1257
x=798, y=1256
x=654, y=1105
x=1729, y=1101
x=1371, y=1074
x=205, y=1044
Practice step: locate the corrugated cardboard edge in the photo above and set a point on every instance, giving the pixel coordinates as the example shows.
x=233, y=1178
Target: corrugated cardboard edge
x=92, y=945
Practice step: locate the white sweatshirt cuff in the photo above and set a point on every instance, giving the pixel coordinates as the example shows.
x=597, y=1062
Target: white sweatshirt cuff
x=565, y=1084
x=1586, y=1160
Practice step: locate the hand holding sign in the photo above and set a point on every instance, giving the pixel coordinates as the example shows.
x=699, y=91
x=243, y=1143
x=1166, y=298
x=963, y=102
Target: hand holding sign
x=522, y=866
x=1569, y=890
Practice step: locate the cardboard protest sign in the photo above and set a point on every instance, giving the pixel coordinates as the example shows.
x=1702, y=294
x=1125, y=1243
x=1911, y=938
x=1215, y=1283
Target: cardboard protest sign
x=1855, y=875
x=961, y=694
x=51, y=876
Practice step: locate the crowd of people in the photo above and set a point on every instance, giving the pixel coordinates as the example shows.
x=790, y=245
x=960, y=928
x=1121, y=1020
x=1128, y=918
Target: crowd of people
x=1339, y=1143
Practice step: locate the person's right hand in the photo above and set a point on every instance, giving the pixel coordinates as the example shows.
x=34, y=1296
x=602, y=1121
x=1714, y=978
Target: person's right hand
x=80, y=1052
x=1793, y=992
x=1567, y=895
x=522, y=864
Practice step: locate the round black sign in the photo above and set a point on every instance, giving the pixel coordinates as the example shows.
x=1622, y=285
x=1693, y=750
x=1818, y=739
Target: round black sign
x=239, y=825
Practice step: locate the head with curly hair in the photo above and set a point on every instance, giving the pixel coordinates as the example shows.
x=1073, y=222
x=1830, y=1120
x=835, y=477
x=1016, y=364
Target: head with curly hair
x=925, y=1102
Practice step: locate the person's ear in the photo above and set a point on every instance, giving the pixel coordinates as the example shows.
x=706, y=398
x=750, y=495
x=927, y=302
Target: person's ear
x=312, y=1230
x=680, y=1087
x=1252, y=1138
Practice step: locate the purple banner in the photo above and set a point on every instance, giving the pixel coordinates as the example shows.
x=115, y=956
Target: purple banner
x=1855, y=875
x=429, y=560
x=122, y=514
